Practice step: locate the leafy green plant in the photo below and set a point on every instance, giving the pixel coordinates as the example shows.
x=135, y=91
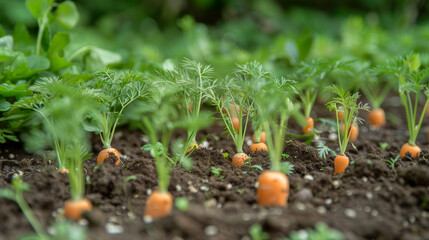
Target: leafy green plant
x=383, y=145
x=182, y=204
x=392, y=161
x=346, y=103
x=256, y=232
x=324, y=150
x=287, y=168
x=118, y=89
x=192, y=80
x=216, y=171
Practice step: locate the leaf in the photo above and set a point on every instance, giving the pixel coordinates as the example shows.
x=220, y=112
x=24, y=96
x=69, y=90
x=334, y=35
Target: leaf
x=59, y=42
x=304, y=47
x=99, y=58
x=6, y=54
x=36, y=63
x=67, y=15
x=129, y=178
x=21, y=34
x=38, y=7
x=7, y=193
x=4, y=105
x=6, y=42
x=2, y=32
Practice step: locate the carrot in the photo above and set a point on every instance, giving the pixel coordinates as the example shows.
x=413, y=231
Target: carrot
x=63, y=170
x=239, y=159
x=353, y=131
x=308, y=128
x=341, y=162
x=273, y=189
x=236, y=123
x=159, y=204
x=414, y=150
x=263, y=137
x=104, y=154
x=260, y=146
x=73, y=209
x=192, y=146
x=377, y=117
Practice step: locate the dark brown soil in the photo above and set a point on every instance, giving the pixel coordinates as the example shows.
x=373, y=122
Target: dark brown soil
x=370, y=201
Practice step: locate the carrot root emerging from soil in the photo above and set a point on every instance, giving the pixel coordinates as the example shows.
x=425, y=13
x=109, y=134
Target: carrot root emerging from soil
x=260, y=146
x=341, y=162
x=354, y=132
x=414, y=150
x=159, y=204
x=104, y=154
x=273, y=189
x=308, y=128
x=236, y=123
x=63, y=170
x=377, y=117
x=263, y=137
x=73, y=209
x=239, y=159
x=192, y=146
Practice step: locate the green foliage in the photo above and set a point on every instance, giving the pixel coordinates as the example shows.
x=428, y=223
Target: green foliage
x=324, y=150
x=287, y=168
x=216, y=171
x=346, y=103
x=256, y=232
x=392, y=161
x=383, y=145
x=182, y=204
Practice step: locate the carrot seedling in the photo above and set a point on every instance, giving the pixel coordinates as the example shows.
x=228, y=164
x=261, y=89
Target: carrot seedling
x=67, y=111
x=312, y=80
x=346, y=103
x=275, y=107
x=234, y=99
x=118, y=89
x=192, y=80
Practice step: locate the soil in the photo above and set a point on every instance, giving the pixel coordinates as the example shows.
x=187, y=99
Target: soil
x=370, y=201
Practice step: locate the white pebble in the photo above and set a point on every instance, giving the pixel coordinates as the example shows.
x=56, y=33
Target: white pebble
x=11, y=156
x=145, y=138
x=249, y=142
x=148, y=191
x=204, y=144
x=336, y=183
x=246, y=217
x=328, y=201
x=192, y=189
x=147, y=219
x=350, y=213
x=205, y=181
x=332, y=136
x=349, y=193
x=308, y=177
x=204, y=188
x=367, y=209
x=321, y=210
x=364, y=179
x=369, y=195
x=378, y=188
x=229, y=186
x=300, y=206
x=374, y=213
x=210, y=203
x=412, y=219
x=178, y=188
x=112, y=228
x=256, y=184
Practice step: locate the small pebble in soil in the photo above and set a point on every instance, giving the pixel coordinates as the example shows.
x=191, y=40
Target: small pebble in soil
x=11, y=156
x=369, y=195
x=405, y=224
x=204, y=144
x=350, y=213
x=367, y=209
x=246, y=217
x=132, y=215
x=20, y=173
x=364, y=179
x=125, y=158
x=136, y=196
x=321, y=210
x=205, y=181
x=148, y=191
x=374, y=213
x=425, y=214
x=378, y=188
x=229, y=186
x=349, y=193
x=328, y=201
x=112, y=228
x=332, y=136
x=336, y=183
x=204, y=188
x=178, y=188
x=256, y=184
x=83, y=222
x=300, y=206
x=276, y=211
x=145, y=138
x=248, y=141
x=412, y=219
x=192, y=189
x=308, y=177
x=147, y=219
x=210, y=203
x=263, y=213
x=211, y=230
x=304, y=195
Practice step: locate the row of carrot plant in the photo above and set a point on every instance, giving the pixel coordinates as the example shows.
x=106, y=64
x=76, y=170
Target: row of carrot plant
x=70, y=106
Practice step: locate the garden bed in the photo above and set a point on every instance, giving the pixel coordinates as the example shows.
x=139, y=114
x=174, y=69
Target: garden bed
x=370, y=201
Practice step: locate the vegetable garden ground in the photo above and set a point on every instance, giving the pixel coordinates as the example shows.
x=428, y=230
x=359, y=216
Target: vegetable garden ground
x=371, y=201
